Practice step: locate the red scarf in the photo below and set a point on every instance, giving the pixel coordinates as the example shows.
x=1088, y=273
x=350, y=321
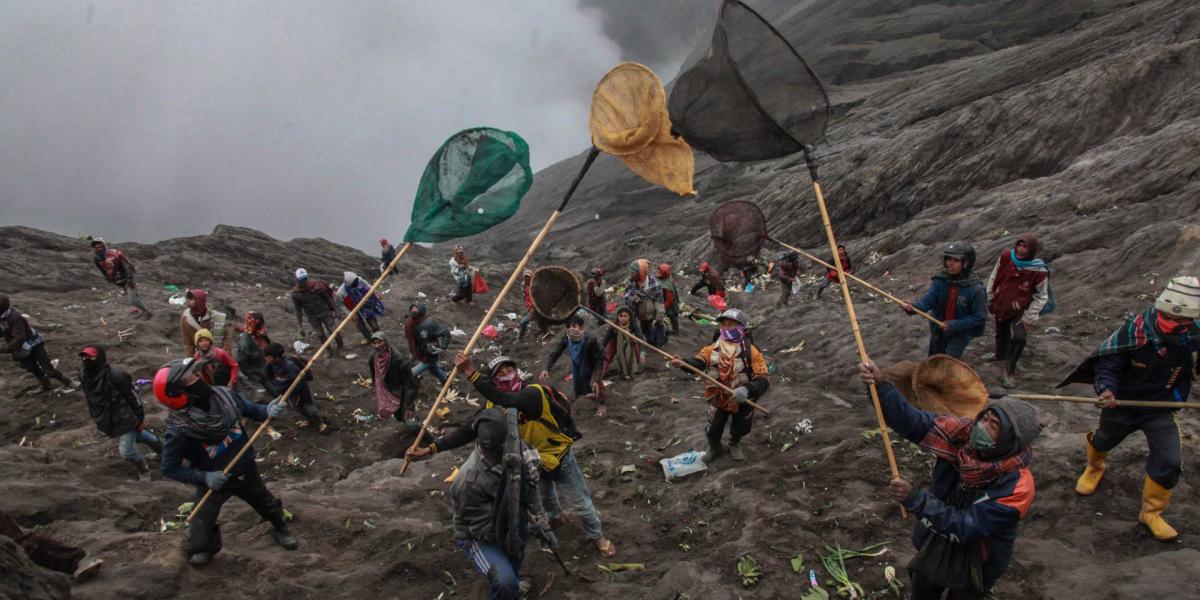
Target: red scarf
x=386, y=403
x=951, y=301
x=950, y=439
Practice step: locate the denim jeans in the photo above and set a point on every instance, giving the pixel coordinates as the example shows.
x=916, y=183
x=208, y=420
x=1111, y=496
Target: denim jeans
x=569, y=480
x=495, y=567
x=129, y=442
x=432, y=367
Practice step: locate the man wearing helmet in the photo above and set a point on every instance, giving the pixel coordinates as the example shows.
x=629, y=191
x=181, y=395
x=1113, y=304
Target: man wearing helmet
x=545, y=423
x=740, y=366
x=1151, y=357
x=118, y=270
x=427, y=340
x=204, y=434
x=958, y=299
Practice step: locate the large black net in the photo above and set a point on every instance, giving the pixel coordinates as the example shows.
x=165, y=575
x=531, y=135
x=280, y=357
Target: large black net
x=752, y=97
x=557, y=292
x=738, y=230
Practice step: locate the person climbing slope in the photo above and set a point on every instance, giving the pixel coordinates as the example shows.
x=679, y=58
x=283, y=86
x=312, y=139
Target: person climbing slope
x=119, y=271
x=787, y=269
x=393, y=382
x=1151, y=357
x=739, y=365
x=831, y=275
x=27, y=346
x=217, y=367
x=427, y=340
x=967, y=521
x=204, y=434
x=670, y=295
x=252, y=363
x=281, y=371
x=460, y=268
x=116, y=408
x=1018, y=292
x=546, y=425
x=710, y=280
x=314, y=298
x=587, y=360
x=643, y=296
x=350, y=293
x=956, y=297
x=196, y=316
x=596, y=295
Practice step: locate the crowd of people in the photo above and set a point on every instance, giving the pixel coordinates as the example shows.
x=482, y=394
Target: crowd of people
x=967, y=519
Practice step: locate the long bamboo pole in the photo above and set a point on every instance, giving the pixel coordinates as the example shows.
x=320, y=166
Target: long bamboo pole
x=668, y=355
x=864, y=282
x=1098, y=402
x=858, y=340
x=491, y=312
x=300, y=377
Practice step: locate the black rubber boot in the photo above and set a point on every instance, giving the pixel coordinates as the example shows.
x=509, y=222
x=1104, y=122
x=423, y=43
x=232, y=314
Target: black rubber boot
x=284, y=538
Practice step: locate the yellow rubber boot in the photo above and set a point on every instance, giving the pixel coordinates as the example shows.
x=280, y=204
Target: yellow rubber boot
x=1086, y=486
x=1155, y=499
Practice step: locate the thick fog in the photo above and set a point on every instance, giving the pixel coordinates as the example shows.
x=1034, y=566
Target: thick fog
x=148, y=120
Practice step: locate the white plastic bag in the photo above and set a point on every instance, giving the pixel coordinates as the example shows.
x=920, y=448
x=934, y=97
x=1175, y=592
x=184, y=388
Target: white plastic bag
x=300, y=346
x=683, y=465
x=796, y=286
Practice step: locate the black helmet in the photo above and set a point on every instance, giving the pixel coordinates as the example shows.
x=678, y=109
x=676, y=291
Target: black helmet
x=962, y=251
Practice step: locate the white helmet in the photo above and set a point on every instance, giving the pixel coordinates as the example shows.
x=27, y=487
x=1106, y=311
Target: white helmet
x=1181, y=298
x=301, y=274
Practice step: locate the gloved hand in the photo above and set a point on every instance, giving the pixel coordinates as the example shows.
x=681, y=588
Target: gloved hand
x=275, y=408
x=741, y=394
x=434, y=350
x=215, y=480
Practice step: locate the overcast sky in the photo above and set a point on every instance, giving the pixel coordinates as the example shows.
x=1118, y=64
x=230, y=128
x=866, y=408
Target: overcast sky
x=148, y=120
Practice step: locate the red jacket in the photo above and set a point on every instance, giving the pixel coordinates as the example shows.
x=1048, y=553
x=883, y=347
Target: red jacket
x=115, y=265
x=1011, y=291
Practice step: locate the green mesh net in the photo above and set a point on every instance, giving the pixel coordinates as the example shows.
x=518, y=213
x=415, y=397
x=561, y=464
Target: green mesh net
x=474, y=181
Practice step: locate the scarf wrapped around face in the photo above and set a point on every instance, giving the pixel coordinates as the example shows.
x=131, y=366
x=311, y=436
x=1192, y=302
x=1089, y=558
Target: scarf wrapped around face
x=386, y=403
x=950, y=440
x=209, y=426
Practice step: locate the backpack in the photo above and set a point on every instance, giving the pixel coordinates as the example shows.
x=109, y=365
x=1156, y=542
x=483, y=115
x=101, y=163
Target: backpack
x=302, y=363
x=561, y=409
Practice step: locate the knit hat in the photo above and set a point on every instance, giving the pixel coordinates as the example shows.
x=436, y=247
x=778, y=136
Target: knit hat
x=301, y=274
x=664, y=270
x=274, y=349
x=383, y=242
x=1021, y=416
x=202, y=334
x=1181, y=299
x=491, y=431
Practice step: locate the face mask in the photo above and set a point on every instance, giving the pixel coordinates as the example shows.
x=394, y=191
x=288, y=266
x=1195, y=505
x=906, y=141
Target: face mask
x=198, y=389
x=733, y=334
x=574, y=335
x=981, y=440
x=511, y=383
x=1168, y=326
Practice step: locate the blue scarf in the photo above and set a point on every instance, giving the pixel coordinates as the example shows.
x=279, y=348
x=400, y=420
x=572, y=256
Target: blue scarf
x=1037, y=264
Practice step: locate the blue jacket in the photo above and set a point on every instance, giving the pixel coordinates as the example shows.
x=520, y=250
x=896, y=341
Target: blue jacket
x=970, y=311
x=1144, y=374
x=994, y=518
x=279, y=377
x=185, y=459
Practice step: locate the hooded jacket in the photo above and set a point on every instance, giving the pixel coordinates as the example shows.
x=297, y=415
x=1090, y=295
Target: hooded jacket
x=209, y=319
x=994, y=518
x=112, y=401
x=423, y=334
x=353, y=290
x=313, y=299
x=398, y=380
x=14, y=327
x=114, y=265
x=186, y=459
x=1016, y=292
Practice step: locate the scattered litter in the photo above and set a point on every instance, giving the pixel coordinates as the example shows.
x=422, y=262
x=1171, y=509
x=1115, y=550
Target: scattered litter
x=387, y=291
x=511, y=316
x=836, y=400
x=287, y=515
x=456, y=332
x=1053, y=330
x=450, y=478
x=54, y=363
x=675, y=439
x=796, y=348
x=804, y=427
x=421, y=295
x=300, y=346
x=258, y=285
x=351, y=356
x=171, y=288
x=627, y=469
x=362, y=416
x=177, y=300
x=275, y=435
x=683, y=465
x=363, y=382
x=125, y=333
x=490, y=332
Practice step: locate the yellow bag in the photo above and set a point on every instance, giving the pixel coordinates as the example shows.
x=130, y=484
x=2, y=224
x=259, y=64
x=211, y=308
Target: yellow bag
x=629, y=119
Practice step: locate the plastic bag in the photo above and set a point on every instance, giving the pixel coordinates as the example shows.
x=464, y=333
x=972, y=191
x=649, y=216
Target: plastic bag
x=490, y=332
x=749, y=288
x=717, y=302
x=683, y=465
x=481, y=286
x=795, y=286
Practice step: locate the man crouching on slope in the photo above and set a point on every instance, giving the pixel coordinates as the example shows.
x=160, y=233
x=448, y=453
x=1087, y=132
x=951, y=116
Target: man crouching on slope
x=968, y=519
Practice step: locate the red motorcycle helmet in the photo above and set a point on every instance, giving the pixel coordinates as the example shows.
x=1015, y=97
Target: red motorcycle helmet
x=168, y=382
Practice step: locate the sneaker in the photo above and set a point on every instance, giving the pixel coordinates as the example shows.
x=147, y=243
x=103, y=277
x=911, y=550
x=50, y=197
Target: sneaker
x=200, y=559
x=284, y=538
x=1007, y=381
